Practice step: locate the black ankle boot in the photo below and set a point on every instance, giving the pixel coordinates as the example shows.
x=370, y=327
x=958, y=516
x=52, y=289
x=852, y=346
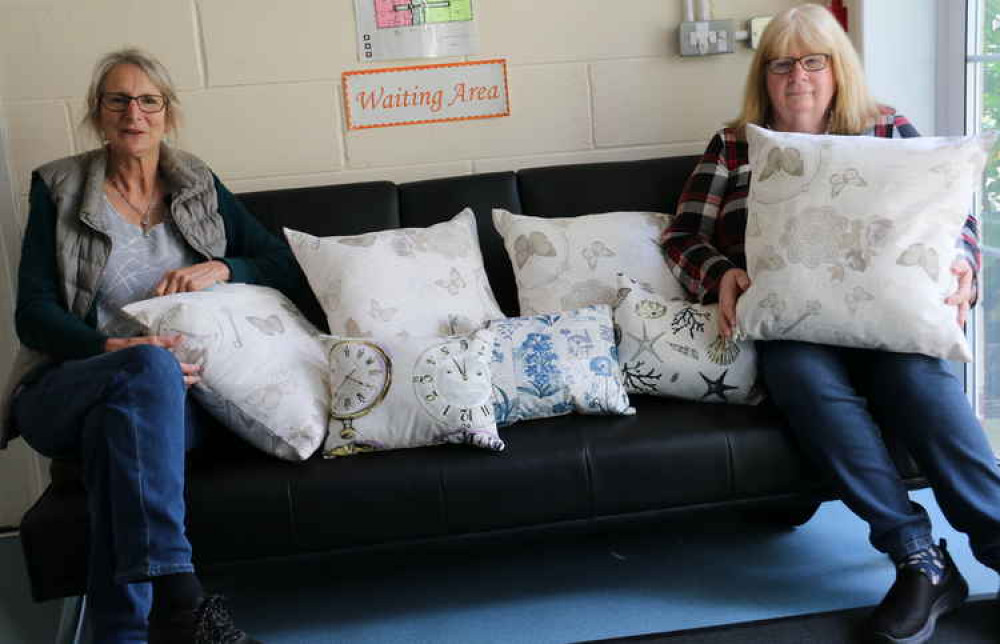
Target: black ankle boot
x=209, y=623
x=911, y=608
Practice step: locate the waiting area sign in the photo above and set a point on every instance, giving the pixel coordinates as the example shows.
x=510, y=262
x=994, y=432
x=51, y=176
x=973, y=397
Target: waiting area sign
x=425, y=94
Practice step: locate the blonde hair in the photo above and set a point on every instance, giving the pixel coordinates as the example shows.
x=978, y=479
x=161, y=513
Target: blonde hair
x=813, y=29
x=154, y=69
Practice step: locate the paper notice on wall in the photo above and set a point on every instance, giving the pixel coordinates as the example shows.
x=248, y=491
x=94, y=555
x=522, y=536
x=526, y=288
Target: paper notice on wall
x=415, y=28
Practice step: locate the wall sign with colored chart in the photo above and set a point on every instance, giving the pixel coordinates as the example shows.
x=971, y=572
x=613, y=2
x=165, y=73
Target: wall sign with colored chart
x=426, y=94
x=415, y=28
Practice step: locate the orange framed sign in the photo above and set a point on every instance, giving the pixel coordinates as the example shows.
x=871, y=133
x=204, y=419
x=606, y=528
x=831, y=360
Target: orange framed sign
x=425, y=94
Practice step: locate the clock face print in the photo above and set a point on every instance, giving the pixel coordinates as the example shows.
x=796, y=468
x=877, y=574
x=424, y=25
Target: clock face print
x=452, y=382
x=360, y=375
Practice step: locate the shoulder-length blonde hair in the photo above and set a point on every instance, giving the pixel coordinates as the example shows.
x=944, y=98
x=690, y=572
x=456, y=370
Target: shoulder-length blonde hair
x=154, y=69
x=812, y=29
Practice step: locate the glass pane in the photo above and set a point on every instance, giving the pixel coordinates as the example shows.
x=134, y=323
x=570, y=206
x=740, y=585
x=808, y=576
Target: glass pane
x=988, y=77
x=991, y=27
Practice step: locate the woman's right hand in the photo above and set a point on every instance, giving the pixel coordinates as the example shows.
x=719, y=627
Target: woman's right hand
x=190, y=371
x=734, y=283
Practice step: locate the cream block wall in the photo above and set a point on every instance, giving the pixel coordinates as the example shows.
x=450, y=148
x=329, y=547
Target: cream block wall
x=259, y=80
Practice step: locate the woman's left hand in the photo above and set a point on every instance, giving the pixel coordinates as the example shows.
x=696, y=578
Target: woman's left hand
x=193, y=278
x=966, y=293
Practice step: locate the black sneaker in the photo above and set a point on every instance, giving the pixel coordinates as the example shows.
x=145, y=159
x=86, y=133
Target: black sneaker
x=209, y=623
x=910, y=610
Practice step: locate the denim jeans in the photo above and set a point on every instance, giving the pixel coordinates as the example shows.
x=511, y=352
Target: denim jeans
x=125, y=415
x=836, y=399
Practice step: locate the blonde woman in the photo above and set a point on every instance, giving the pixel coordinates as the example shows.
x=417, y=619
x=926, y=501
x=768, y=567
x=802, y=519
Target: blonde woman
x=806, y=77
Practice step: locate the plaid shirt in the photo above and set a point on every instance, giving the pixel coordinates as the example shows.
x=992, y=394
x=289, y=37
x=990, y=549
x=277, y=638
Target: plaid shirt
x=706, y=236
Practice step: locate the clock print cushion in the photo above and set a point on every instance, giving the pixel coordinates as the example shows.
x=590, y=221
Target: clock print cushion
x=396, y=393
x=556, y=363
x=400, y=282
x=263, y=364
x=673, y=348
x=852, y=244
x=564, y=263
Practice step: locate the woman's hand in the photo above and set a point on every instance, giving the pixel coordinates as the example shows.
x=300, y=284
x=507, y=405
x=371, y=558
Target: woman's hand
x=191, y=371
x=733, y=284
x=193, y=278
x=965, y=295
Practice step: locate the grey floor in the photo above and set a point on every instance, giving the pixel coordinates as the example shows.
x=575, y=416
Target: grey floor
x=626, y=583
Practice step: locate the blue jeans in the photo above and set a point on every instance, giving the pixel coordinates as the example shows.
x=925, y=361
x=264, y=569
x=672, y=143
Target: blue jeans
x=125, y=415
x=837, y=398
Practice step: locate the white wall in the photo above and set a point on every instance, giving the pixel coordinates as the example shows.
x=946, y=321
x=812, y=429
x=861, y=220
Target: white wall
x=260, y=84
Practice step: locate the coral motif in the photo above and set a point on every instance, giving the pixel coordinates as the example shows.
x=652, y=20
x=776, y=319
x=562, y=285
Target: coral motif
x=691, y=319
x=638, y=380
x=926, y=257
x=723, y=351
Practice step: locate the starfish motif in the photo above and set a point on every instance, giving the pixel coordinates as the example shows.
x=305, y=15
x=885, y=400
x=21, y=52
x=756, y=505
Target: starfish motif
x=716, y=387
x=646, y=343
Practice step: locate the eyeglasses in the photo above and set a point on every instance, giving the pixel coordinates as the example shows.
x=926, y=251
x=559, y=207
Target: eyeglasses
x=809, y=62
x=148, y=103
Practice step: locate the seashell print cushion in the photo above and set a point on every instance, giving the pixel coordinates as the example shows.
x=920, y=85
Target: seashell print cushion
x=564, y=263
x=263, y=364
x=850, y=239
x=673, y=348
x=400, y=282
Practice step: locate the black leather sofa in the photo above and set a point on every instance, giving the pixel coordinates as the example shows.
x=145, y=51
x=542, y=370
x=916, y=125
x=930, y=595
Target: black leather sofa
x=673, y=459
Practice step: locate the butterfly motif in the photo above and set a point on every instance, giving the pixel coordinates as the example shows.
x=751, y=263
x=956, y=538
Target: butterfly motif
x=856, y=297
x=376, y=312
x=788, y=160
x=849, y=177
x=595, y=251
x=923, y=256
x=770, y=260
x=454, y=284
x=363, y=241
x=353, y=330
x=271, y=325
x=535, y=243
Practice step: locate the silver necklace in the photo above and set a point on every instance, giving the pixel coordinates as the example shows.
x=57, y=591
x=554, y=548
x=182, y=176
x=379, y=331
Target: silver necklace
x=144, y=218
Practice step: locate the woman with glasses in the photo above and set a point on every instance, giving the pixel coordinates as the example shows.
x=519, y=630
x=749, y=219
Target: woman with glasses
x=806, y=78
x=133, y=219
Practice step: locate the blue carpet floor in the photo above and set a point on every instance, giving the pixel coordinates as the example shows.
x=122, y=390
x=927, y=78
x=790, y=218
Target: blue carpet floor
x=584, y=588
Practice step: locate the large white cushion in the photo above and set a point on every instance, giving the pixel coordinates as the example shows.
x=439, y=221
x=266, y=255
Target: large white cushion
x=566, y=263
x=406, y=281
x=673, y=348
x=850, y=240
x=263, y=364
x=397, y=393
x=557, y=363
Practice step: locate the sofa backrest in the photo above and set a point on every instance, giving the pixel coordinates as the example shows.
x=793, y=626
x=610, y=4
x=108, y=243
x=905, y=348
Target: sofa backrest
x=553, y=191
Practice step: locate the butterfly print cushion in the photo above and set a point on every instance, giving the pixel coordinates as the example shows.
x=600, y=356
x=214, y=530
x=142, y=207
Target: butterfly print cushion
x=400, y=282
x=850, y=239
x=564, y=263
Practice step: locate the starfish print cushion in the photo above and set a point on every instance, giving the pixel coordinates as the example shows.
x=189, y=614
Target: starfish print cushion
x=852, y=244
x=401, y=282
x=564, y=263
x=673, y=348
x=556, y=363
x=263, y=367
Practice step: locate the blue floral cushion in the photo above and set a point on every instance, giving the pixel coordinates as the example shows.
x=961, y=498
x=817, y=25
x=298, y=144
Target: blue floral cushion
x=555, y=364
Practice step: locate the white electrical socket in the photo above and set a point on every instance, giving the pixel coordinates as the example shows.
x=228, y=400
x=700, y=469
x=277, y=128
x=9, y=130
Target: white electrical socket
x=757, y=26
x=705, y=37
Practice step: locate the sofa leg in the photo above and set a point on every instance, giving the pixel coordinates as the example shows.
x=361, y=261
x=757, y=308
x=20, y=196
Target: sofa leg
x=71, y=620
